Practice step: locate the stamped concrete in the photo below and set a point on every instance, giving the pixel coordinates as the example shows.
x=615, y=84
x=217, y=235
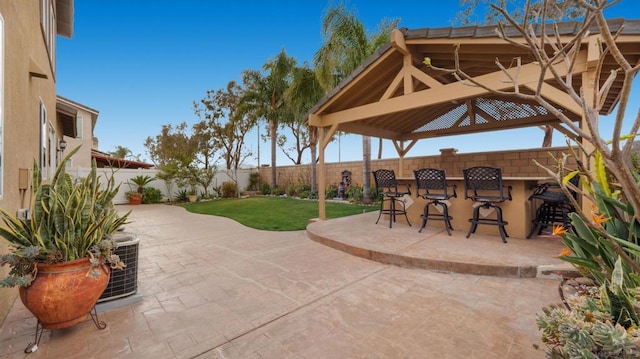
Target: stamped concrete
x=212, y=288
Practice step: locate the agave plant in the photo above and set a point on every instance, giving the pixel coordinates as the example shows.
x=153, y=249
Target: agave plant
x=69, y=219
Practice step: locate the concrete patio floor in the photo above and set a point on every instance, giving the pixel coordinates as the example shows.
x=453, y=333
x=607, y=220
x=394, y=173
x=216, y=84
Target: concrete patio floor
x=212, y=288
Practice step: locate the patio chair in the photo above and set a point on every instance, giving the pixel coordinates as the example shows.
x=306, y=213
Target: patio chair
x=434, y=184
x=484, y=186
x=555, y=206
x=387, y=191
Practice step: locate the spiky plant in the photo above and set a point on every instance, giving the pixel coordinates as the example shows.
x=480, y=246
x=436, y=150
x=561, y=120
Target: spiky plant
x=69, y=219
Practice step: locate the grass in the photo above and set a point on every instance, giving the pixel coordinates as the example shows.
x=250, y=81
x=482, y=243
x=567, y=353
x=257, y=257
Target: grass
x=274, y=213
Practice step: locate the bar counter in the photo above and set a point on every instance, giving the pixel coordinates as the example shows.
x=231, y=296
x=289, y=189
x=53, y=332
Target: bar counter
x=518, y=212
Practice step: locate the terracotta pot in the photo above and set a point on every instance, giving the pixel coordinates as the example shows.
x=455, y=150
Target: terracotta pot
x=193, y=198
x=135, y=198
x=63, y=294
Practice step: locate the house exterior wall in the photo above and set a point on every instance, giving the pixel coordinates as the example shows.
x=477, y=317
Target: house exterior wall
x=516, y=163
x=24, y=50
x=85, y=139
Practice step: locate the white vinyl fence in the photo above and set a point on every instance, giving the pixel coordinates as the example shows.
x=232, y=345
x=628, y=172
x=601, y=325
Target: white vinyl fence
x=123, y=175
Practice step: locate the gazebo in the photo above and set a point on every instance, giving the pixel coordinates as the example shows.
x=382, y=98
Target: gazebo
x=396, y=96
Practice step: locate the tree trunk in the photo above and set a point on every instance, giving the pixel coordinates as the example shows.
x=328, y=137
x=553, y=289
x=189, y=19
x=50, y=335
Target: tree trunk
x=548, y=135
x=273, y=133
x=379, y=148
x=366, y=168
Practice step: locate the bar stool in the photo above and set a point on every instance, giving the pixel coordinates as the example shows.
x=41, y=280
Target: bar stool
x=554, y=209
x=387, y=190
x=483, y=185
x=434, y=183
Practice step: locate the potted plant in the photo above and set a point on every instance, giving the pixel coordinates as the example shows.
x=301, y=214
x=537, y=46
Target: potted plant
x=193, y=196
x=61, y=252
x=135, y=197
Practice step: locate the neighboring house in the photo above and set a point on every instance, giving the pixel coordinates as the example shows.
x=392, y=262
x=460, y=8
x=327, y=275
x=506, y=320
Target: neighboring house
x=29, y=127
x=84, y=119
x=81, y=134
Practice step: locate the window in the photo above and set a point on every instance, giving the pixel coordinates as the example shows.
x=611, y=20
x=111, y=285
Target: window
x=44, y=155
x=79, y=120
x=48, y=25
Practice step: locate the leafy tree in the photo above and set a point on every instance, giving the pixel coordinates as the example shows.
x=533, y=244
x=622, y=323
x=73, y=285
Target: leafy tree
x=188, y=158
x=229, y=126
x=173, y=146
x=346, y=46
x=264, y=98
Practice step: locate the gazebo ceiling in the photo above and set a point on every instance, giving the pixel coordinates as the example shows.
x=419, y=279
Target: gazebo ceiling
x=394, y=95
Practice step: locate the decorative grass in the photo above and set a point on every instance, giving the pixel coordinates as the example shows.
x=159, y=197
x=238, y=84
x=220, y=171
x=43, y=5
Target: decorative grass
x=274, y=213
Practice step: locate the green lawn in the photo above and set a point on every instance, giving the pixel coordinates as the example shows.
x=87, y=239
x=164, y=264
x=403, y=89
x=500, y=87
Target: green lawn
x=274, y=213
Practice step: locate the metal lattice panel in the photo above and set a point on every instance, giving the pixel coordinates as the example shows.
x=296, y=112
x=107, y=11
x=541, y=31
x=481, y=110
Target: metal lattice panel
x=501, y=110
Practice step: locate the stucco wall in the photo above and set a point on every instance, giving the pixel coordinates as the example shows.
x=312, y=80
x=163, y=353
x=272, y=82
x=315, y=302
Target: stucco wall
x=513, y=163
x=24, y=51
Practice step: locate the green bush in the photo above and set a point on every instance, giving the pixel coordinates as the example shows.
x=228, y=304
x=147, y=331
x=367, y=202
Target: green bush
x=305, y=194
x=151, y=195
x=277, y=191
x=265, y=189
x=292, y=190
x=331, y=192
x=355, y=194
x=182, y=195
x=254, y=181
x=229, y=190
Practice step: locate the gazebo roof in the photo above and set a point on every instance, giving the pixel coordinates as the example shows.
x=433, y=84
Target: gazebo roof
x=394, y=95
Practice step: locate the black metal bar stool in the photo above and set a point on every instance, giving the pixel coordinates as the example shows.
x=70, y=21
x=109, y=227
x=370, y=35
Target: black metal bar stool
x=484, y=185
x=434, y=184
x=554, y=209
x=387, y=190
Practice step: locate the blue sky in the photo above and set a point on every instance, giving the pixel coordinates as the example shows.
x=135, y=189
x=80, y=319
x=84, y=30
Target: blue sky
x=142, y=63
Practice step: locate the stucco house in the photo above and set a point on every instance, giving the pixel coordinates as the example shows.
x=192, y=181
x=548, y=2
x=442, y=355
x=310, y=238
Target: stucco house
x=29, y=126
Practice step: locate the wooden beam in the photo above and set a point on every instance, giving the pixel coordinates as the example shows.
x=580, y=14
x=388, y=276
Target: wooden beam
x=391, y=89
x=398, y=43
x=324, y=140
x=556, y=96
x=529, y=74
x=593, y=50
x=565, y=131
x=322, y=176
x=348, y=86
x=424, y=78
x=406, y=70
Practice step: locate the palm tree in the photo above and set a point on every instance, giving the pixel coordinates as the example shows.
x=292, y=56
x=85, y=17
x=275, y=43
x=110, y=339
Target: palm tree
x=346, y=46
x=304, y=92
x=264, y=98
x=121, y=152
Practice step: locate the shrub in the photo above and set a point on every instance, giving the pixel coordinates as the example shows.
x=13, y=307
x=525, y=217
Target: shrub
x=229, y=190
x=254, y=181
x=265, y=189
x=292, y=190
x=355, y=194
x=182, y=195
x=305, y=194
x=151, y=195
x=331, y=192
x=277, y=191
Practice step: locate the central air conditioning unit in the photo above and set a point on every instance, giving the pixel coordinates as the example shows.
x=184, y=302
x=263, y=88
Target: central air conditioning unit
x=123, y=282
